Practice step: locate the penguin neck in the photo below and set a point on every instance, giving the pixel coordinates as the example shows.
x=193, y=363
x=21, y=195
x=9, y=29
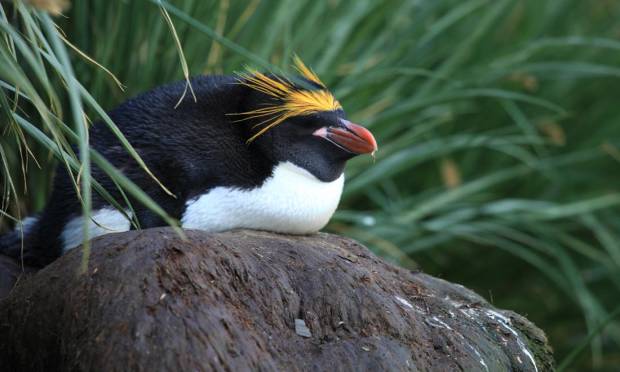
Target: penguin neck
x=321, y=169
x=321, y=166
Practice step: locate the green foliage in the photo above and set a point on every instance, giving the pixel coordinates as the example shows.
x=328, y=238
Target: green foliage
x=497, y=122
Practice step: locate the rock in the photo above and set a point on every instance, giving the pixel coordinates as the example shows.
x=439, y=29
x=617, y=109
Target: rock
x=11, y=272
x=231, y=301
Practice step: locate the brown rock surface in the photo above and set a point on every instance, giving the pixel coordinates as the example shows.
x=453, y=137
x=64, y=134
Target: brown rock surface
x=241, y=300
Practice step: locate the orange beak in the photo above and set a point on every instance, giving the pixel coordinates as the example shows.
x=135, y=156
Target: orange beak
x=350, y=137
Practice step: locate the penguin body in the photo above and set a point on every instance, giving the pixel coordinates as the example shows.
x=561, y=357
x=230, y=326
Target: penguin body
x=287, y=179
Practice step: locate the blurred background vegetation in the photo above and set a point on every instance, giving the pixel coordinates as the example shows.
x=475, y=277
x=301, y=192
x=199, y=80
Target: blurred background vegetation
x=498, y=124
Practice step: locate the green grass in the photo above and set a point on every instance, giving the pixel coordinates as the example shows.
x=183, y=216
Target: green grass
x=497, y=123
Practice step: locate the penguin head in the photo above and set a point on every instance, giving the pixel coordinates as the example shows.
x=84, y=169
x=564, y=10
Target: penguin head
x=301, y=122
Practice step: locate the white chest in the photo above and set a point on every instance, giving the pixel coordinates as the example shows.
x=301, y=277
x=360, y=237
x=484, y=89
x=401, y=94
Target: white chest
x=291, y=201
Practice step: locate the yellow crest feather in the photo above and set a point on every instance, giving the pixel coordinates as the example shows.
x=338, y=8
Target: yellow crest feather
x=307, y=72
x=289, y=100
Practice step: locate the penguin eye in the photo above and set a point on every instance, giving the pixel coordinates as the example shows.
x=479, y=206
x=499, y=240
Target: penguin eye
x=322, y=119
